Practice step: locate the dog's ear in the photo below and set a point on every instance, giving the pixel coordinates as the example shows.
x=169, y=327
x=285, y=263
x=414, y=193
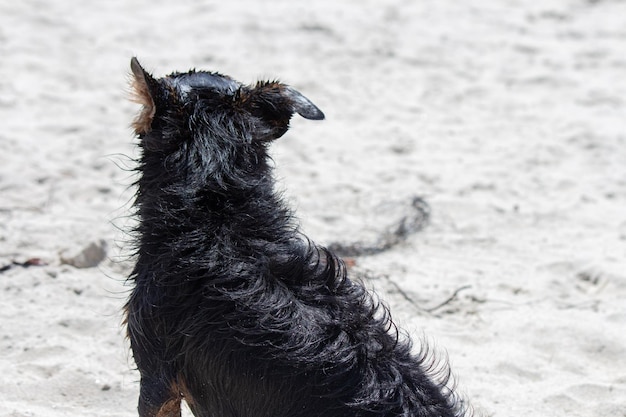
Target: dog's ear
x=275, y=103
x=302, y=105
x=144, y=91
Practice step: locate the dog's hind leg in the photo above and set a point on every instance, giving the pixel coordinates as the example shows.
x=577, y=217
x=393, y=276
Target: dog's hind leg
x=159, y=398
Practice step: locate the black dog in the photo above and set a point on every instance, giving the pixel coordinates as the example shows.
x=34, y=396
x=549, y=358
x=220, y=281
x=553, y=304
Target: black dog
x=234, y=310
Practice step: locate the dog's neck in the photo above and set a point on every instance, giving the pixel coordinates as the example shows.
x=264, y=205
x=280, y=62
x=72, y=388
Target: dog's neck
x=181, y=210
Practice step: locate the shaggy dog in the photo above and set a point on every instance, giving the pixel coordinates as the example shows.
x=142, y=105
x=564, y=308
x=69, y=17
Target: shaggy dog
x=232, y=309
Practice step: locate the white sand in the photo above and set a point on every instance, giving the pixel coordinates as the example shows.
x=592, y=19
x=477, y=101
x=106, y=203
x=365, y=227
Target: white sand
x=506, y=116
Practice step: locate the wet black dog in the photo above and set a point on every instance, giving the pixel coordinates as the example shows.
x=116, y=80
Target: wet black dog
x=232, y=309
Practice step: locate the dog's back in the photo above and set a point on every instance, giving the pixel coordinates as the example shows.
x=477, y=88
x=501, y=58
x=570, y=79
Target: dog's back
x=233, y=310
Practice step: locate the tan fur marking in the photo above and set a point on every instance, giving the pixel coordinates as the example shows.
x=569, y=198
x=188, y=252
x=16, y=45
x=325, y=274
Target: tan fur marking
x=141, y=95
x=171, y=408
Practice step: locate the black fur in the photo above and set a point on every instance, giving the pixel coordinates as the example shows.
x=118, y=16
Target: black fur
x=233, y=309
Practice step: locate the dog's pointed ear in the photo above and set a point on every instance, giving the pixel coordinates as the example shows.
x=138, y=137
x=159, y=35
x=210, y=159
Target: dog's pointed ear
x=144, y=90
x=275, y=103
x=302, y=105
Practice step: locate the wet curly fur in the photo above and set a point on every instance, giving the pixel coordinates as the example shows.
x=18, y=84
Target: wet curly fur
x=232, y=308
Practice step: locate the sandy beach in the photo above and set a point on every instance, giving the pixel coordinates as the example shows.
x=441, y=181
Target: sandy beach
x=507, y=118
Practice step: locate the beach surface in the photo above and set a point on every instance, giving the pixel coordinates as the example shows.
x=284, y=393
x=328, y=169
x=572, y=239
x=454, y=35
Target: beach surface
x=505, y=119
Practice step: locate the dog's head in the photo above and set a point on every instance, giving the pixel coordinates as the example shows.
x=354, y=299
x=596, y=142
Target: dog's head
x=182, y=103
